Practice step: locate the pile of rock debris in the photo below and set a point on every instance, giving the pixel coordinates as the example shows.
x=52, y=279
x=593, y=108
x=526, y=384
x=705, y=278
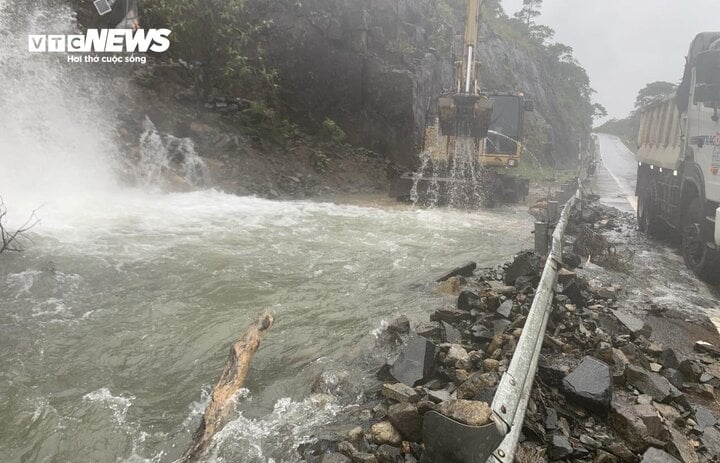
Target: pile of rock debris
x=604, y=391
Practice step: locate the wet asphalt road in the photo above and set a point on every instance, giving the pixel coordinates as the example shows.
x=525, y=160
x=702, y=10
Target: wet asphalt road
x=615, y=182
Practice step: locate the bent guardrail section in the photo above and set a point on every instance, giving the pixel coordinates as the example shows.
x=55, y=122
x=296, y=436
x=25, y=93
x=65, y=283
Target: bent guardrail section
x=450, y=441
x=513, y=394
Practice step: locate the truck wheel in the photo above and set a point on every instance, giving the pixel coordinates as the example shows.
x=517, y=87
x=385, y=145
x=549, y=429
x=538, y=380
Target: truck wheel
x=647, y=210
x=703, y=260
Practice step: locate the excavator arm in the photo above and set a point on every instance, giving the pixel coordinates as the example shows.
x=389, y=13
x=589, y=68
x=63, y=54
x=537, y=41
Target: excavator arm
x=466, y=113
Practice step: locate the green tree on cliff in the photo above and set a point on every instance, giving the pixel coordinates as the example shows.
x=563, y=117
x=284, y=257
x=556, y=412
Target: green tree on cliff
x=529, y=11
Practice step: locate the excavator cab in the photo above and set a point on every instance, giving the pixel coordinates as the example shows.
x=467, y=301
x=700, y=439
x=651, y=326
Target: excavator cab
x=465, y=115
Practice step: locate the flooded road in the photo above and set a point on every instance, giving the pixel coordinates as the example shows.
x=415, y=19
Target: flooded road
x=116, y=320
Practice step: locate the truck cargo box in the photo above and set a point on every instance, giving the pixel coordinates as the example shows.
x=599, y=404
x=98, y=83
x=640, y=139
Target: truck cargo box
x=660, y=136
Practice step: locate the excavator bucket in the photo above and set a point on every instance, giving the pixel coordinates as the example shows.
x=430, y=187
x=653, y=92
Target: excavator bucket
x=464, y=115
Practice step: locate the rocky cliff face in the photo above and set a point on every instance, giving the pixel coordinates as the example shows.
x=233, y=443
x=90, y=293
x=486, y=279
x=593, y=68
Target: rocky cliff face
x=366, y=64
x=375, y=67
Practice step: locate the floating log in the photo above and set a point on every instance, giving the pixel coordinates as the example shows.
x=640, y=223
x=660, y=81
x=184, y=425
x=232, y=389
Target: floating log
x=230, y=382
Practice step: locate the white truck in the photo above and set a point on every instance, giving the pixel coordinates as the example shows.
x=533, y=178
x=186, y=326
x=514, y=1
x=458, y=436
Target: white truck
x=678, y=177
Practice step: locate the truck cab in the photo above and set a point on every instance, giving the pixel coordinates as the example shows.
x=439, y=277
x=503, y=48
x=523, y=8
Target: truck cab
x=678, y=185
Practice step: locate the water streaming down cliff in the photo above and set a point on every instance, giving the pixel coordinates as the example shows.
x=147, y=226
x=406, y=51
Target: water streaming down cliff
x=458, y=180
x=115, y=321
x=164, y=158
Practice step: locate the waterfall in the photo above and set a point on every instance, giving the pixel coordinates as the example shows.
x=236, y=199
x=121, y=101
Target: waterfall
x=165, y=160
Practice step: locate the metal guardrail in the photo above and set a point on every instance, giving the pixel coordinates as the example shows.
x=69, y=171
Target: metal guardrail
x=447, y=440
x=513, y=393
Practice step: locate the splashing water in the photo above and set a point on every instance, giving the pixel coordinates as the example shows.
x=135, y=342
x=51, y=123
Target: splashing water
x=54, y=136
x=424, y=160
x=165, y=157
x=460, y=181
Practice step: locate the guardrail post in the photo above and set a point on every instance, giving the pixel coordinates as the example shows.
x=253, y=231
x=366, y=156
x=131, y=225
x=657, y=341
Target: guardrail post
x=541, y=238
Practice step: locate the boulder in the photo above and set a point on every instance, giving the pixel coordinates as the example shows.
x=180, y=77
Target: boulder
x=711, y=441
x=481, y=333
x=525, y=264
x=651, y=383
x=491, y=365
x=385, y=433
x=478, y=386
x=590, y=385
x=355, y=434
x=680, y=447
x=704, y=417
x=621, y=451
x=500, y=325
x=588, y=441
x=674, y=376
x=415, y=363
x=628, y=425
x=387, y=454
x=406, y=419
x=400, y=393
x=502, y=289
x=635, y=355
x=571, y=259
x=633, y=325
x=551, y=419
x=455, y=354
x=604, y=457
x=438, y=396
x=559, y=448
x=691, y=370
x=653, y=422
x=361, y=457
x=466, y=270
x=668, y=359
x=470, y=412
x=654, y=455
x=468, y=300
x=449, y=333
x=335, y=458
x=707, y=348
x=505, y=309
x=670, y=413
x=450, y=315
x=565, y=276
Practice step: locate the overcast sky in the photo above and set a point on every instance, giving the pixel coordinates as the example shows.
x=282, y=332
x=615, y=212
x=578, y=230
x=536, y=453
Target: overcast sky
x=625, y=44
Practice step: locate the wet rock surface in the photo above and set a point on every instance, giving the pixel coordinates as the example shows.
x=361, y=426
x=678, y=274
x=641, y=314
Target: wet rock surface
x=590, y=385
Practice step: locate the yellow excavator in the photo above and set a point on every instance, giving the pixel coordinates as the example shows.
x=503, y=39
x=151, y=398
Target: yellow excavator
x=486, y=129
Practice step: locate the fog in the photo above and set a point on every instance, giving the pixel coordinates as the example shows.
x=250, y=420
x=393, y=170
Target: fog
x=627, y=44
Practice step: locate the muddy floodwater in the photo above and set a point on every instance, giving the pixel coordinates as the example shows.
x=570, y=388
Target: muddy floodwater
x=115, y=322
